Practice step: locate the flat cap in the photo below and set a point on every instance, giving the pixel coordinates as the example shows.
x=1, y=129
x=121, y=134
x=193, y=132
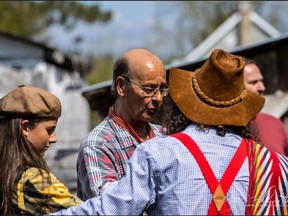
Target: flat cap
x=29, y=101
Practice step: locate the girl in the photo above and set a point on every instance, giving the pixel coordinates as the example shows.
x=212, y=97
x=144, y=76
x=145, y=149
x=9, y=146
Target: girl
x=28, y=118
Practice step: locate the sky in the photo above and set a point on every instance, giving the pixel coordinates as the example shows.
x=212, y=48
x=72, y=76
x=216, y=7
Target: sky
x=131, y=23
x=131, y=27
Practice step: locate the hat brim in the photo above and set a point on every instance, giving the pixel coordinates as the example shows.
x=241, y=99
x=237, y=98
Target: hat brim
x=195, y=109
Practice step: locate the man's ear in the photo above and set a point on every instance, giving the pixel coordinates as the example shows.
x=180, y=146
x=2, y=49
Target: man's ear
x=25, y=127
x=120, y=85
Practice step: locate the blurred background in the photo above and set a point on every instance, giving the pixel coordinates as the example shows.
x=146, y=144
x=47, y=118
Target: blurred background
x=69, y=48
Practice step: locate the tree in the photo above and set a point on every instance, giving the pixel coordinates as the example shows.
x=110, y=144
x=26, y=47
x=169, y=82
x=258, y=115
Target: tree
x=195, y=20
x=102, y=69
x=29, y=19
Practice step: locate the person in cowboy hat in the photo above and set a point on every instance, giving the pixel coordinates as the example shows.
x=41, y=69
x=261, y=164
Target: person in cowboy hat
x=207, y=163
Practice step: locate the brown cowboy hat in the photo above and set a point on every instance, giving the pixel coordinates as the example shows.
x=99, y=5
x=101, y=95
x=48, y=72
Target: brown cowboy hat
x=215, y=93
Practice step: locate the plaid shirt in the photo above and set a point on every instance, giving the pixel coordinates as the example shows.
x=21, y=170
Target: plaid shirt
x=103, y=155
x=34, y=194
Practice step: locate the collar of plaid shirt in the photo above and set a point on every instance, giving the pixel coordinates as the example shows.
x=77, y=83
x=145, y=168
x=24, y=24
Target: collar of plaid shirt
x=117, y=119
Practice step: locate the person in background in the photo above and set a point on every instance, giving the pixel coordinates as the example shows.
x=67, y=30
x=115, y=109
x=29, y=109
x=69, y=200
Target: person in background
x=207, y=164
x=28, y=118
x=139, y=81
x=271, y=130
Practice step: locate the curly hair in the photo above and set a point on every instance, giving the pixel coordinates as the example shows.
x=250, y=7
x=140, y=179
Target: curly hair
x=175, y=121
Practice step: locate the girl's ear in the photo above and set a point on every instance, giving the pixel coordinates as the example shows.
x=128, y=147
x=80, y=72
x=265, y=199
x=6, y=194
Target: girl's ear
x=25, y=127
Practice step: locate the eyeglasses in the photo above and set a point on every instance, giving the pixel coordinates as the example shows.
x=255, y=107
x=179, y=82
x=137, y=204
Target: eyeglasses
x=150, y=92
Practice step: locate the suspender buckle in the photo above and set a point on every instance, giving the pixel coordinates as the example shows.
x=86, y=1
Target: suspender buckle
x=219, y=197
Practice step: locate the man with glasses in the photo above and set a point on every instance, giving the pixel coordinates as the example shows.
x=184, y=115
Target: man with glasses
x=139, y=84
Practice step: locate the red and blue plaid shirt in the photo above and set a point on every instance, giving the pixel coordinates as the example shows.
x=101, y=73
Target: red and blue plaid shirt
x=104, y=153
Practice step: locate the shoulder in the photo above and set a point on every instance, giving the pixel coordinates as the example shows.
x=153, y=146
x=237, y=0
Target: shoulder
x=108, y=134
x=38, y=179
x=34, y=172
x=34, y=175
x=104, y=131
x=160, y=145
x=257, y=150
x=158, y=129
x=106, y=125
x=265, y=116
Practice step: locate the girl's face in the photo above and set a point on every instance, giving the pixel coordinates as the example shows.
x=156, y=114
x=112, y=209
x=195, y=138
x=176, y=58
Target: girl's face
x=41, y=134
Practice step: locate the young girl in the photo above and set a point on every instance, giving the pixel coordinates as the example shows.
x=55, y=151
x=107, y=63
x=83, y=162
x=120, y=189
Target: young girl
x=28, y=118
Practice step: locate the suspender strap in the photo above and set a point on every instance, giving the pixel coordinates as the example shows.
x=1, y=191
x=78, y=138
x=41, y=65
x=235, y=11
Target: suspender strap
x=218, y=190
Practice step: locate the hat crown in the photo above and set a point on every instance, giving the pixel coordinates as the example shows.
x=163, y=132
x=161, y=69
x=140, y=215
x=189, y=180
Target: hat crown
x=215, y=93
x=221, y=77
x=29, y=101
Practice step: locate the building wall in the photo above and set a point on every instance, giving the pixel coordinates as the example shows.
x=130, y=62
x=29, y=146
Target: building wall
x=72, y=127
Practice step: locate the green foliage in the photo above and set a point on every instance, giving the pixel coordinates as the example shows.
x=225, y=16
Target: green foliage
x=195, y=20
x=31, y=18
x=102, y=69
x=201, y=18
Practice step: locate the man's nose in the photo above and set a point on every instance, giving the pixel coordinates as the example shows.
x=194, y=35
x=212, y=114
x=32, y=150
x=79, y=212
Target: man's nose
x=158, y=96
x=261, y=87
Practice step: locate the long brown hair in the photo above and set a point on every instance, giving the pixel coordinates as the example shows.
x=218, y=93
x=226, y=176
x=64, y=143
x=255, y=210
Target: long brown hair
x=16, y=152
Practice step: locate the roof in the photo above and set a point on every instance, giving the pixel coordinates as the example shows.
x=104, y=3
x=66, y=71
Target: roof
x=69, y=62
x=97, y=86
x=99, y=96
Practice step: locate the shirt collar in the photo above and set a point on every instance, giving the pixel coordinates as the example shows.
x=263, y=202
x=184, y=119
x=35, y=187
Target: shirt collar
x=124, y=124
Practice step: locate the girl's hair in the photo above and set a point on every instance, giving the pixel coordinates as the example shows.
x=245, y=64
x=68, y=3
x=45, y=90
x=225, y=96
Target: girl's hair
x=16, y=152
x=175, y=121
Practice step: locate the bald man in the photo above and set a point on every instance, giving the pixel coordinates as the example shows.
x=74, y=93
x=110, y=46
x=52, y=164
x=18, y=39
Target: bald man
x=139, y=83
x=271, y=130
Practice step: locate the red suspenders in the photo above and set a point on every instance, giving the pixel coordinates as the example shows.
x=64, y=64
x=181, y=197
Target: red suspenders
x=217, y=189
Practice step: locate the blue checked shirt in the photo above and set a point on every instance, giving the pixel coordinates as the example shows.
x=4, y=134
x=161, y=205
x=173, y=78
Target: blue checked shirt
x=164, y=179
